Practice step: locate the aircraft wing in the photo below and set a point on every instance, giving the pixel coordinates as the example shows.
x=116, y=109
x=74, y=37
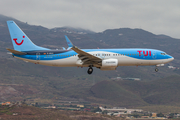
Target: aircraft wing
x=86, y=57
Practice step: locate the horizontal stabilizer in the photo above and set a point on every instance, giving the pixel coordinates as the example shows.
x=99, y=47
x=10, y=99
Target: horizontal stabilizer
x=15, y=52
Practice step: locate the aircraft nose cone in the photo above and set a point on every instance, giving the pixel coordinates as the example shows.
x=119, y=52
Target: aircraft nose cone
x=171, y=58
x=168, y=59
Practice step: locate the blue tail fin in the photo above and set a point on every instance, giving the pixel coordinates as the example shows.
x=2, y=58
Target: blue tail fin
x=70, y=45
x=20, y=40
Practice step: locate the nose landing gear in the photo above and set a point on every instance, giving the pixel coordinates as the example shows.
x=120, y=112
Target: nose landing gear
x=90, y=70
x=156, y=69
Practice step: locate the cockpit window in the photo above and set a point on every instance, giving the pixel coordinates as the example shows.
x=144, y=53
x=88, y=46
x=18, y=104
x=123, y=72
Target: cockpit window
x=163, y=53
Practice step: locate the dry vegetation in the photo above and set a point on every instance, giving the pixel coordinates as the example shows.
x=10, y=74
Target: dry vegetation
x=25, y=112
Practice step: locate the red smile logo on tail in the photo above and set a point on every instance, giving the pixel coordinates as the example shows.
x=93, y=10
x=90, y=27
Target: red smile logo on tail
x=15, y=40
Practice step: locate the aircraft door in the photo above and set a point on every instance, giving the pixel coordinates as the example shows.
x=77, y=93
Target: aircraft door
x=102, y=55
x=154, y=55
x=37, y=56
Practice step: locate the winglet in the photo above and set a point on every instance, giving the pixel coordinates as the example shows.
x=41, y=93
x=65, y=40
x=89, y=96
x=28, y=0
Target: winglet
x=70, y=45
x=63, y=48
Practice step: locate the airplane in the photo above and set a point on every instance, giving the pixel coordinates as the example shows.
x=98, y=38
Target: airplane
x=104, y=59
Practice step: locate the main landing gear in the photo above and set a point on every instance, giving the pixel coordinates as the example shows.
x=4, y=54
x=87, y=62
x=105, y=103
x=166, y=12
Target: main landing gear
x=90, y=70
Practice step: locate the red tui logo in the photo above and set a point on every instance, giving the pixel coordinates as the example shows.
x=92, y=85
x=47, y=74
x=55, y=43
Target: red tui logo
x=144, y=52
x=15, y=40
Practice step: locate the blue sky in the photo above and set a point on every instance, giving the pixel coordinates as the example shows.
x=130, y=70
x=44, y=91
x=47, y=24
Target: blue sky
x=156, y=16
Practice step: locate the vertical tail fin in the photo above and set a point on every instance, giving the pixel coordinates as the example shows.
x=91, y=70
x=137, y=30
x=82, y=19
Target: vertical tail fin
x=20, y=40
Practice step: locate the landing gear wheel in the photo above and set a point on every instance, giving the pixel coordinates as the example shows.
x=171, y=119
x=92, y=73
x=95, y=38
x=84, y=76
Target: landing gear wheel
x=156, y=69
x=90, y=70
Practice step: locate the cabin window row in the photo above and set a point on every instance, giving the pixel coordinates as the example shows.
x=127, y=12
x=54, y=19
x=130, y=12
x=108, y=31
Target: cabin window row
x=116, y=54
x=95, y=55
x=59, y=55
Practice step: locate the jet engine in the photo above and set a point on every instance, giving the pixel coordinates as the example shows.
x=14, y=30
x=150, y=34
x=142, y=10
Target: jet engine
x=109, y=64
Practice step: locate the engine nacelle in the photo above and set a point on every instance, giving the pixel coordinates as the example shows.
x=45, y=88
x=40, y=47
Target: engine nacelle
x=109, y=64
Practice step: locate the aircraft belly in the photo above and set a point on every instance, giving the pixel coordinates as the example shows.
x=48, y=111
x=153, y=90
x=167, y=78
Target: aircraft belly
x=59, y=62
x=128, y=61
x=67, y=62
